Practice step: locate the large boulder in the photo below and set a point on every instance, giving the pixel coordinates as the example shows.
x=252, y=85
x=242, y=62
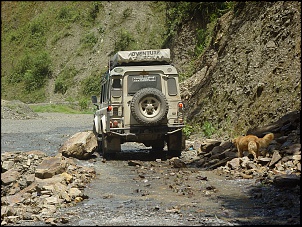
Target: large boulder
x=49, y=167
x=81, y=145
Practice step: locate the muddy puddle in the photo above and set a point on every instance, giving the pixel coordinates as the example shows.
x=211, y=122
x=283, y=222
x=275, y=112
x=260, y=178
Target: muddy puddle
x=154, y=193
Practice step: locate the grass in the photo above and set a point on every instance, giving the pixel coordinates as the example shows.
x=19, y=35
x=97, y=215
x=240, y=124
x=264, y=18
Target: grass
x=59, y=108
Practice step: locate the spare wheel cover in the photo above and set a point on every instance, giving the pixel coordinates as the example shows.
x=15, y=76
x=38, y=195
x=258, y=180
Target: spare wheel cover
x=149, y=106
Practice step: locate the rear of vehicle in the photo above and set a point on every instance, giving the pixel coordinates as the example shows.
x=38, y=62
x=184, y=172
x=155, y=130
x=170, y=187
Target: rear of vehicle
x=140, y=102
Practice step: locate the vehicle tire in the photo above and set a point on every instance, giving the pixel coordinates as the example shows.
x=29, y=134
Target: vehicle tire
x=110, y=146
x=104, y=145
x=99, y=142
x=158, y=150
x=94, y=130
x=174, y=143
x=158, y=146
x=149, y=106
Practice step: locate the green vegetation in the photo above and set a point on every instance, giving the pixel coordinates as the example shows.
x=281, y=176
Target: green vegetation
x=127, y=13
x=65, y=80
x=34, y=36
x=207, y=129
x=60, y=108
x=94, y=10
x=91, y=85
x=125, y=41
x=89, y=40
x=189, y=71
x=187, y=130
x=32, y=69
x=178, y=13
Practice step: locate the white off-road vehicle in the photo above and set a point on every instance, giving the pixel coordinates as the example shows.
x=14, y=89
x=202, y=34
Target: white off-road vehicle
x=139, y=102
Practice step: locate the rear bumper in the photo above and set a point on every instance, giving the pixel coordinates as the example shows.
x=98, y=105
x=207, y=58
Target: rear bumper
x=143, y=134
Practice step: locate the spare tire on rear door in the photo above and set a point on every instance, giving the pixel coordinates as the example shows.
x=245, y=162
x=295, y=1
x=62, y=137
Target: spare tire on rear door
x=149, y=106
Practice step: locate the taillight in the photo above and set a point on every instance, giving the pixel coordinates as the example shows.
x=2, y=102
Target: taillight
x=109, y=108
x=180, y=105
x=115, y=124
x=179, y=119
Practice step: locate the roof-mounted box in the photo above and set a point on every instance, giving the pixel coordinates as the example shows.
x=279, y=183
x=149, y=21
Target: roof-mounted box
x=137, y=57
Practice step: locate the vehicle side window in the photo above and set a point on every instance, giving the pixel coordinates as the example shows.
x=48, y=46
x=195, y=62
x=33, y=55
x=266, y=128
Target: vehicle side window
x=103, y=92
x=105, y=89
x=116, y=83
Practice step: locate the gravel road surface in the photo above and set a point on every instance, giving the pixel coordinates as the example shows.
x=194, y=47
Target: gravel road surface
x=46, y=133
x=151, y=193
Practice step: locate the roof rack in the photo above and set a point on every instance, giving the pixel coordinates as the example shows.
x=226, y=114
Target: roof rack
x=139, y=57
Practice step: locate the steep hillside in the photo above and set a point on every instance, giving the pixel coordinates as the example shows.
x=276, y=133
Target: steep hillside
x=250, y=75
x=78, y=37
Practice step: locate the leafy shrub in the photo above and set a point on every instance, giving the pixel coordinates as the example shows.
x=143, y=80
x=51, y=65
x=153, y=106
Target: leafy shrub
x=101, y=30
x=208, y=129
x=83, y=103
x=91, y=85
x=64, y=13
x=127, y=13
x=36, y=28
x=93, y=11
x=25, y=63
x=65, y=79
x=124, y=42
x=33, y=69
x=89, y=40
x=42, y=65
x=30, y=81
x=15, y=78
x=201, y=37
x=67, y=13
x=15, y=36
x=178, y=13
x=60, y=86
x=187, y=130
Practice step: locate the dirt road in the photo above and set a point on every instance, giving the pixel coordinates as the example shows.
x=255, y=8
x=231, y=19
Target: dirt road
x=138, y=189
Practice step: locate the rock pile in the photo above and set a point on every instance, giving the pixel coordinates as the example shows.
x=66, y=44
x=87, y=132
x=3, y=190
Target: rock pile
x=34, y=186
x=283, y=155
x=16, y=109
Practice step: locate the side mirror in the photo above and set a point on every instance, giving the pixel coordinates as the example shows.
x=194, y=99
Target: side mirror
x=94, y=99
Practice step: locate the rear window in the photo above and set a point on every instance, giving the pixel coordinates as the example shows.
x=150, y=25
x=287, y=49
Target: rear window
x=171, y=82
x=137, y=82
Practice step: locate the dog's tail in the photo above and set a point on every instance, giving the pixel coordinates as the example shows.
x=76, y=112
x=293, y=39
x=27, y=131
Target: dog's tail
x=265, y=141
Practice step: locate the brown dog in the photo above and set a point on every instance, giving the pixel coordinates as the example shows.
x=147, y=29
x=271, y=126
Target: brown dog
x=252, y=144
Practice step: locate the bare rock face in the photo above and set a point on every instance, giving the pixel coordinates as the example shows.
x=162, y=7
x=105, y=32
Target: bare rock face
x=81, y=145
x=253, y=60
